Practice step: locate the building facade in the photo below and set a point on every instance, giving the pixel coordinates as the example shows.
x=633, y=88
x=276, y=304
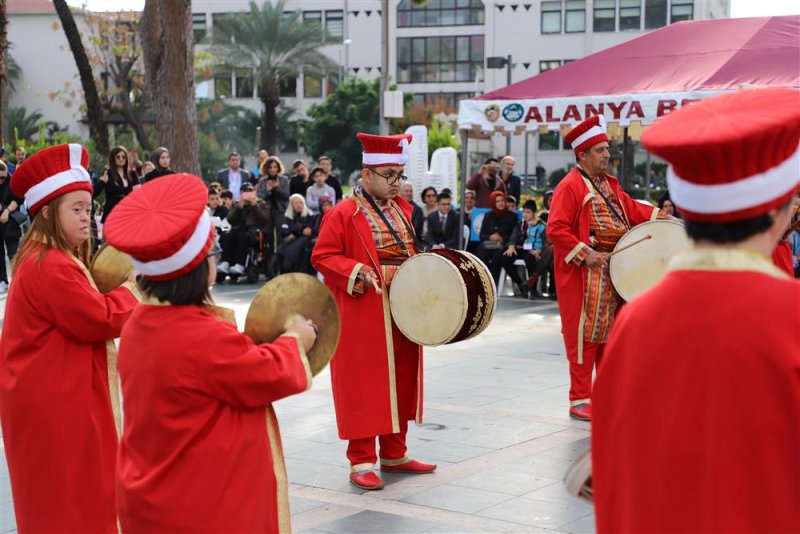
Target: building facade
x=438, y=52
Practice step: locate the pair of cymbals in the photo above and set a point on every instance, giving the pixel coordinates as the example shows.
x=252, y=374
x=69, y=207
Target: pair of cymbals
x=278, y=301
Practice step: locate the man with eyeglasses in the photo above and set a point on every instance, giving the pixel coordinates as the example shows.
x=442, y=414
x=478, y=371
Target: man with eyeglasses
x=376, y=372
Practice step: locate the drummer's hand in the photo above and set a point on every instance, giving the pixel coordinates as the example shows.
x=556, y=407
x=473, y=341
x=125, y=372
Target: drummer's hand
x=305, y=329
x=132, y=276
x=371, y=280
x=595, y=259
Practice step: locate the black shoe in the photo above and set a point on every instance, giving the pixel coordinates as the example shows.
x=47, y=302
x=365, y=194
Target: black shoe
x=520, y=290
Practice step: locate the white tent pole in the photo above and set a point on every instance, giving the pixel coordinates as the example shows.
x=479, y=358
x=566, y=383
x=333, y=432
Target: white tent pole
x=463, y=193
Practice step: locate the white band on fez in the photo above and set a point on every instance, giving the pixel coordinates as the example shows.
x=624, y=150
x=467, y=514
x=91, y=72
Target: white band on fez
x=183, y=257
x=739, y=195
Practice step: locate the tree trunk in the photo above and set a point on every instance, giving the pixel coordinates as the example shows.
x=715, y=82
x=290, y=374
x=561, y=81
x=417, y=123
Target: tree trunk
x=169, y=65
x=3, y=71
x=98, y=130
x=269, y=120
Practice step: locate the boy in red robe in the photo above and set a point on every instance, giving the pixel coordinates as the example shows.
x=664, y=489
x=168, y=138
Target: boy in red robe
x=376, y=372
x=55, y=402
x=200, y=450
x=589, y=214
x=697, y=404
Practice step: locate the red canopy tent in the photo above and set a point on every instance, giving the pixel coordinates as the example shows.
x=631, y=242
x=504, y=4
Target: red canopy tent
x=646, y=77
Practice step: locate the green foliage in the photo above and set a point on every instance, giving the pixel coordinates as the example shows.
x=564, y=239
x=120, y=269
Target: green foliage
x=351, y=108
x=233, y=127
x=13, y=70
x=44, y=138
x=556, y=176
x=23, y=125
x=440, y=136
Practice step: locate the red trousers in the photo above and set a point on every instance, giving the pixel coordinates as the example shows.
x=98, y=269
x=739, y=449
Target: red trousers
x=580, y=374
x=362, y=454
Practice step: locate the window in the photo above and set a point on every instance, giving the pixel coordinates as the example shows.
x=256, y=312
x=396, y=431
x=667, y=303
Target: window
x=313, y=15
x=440, y=13
x=312, y=86
x=222, y=19
x=223, y=86
x=440, y=101
x=550, y=141
x=334, y=26
x=440, y=59
x=630, y=15
x=551, y=17
x=655, y=14
x=681, y=10
x=604, y=15
x=288, y=87
x=244, y=84
x=549, y=65
x=199, y=26
x=575, y=19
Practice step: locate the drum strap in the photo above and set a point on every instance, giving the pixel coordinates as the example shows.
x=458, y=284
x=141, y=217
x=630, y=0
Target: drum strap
x=400, y=242
x=608, y=203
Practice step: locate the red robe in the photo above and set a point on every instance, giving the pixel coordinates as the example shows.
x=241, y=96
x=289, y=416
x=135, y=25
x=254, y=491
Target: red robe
x=782, y=258
x=568, y=230
x=199, y=452
x=376, y=372
x=55, y=405
x=696, y=423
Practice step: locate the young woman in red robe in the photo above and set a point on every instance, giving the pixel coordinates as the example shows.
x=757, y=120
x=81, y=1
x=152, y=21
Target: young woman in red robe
x=55, y=404
x=200, y=449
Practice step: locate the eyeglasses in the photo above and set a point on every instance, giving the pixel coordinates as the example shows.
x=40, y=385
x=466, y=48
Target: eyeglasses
x=121, y=156
x=391, y=178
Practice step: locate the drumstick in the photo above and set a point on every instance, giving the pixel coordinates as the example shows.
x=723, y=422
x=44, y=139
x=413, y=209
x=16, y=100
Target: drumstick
x=626, y=247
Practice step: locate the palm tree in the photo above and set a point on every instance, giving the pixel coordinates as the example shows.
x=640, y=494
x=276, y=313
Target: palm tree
x=21, y=125
x=276, y=46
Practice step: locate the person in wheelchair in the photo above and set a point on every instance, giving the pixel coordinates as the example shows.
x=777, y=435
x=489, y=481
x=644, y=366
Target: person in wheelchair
x=297, y=236
x=249, y=218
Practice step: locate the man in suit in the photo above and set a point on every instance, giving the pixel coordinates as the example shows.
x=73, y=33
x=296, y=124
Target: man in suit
x=417, y=217
x=234, y=176
x=443, y=227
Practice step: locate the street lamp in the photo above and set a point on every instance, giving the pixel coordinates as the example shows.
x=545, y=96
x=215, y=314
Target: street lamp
x=498, y=62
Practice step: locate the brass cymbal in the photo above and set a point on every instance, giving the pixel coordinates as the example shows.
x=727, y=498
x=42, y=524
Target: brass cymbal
x=110, y=268
x=290, y=295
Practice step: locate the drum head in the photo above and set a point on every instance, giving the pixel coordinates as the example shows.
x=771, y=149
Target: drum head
x=640, y=267
x=428, y=299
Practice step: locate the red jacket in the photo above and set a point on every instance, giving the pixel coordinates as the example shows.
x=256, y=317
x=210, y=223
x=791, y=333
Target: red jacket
x=201, y=450
x=376, y=372
x=696, y=408
x=567, y=229
x=55, y=403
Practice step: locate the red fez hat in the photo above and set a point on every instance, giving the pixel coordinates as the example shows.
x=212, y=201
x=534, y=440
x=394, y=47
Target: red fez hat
x=587, y=134
x=163, y=226
x=384, y=150
x=733, y=156
x=50, y=173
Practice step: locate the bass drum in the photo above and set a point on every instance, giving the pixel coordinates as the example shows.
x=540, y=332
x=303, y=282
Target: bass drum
x=640, y=267
x=442, y=296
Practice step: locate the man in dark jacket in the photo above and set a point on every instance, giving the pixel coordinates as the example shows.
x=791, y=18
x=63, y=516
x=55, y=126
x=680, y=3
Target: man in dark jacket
x=443, y=227
x=247, y=217
x=417, y=217
x=234, y=176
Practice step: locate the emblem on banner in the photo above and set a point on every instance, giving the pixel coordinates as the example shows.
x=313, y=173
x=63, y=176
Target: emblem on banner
x=513, y=112
x=492, y=112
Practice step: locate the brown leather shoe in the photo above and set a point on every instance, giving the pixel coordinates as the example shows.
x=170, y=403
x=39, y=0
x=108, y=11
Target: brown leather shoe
x=367, y=480
x=581, y=412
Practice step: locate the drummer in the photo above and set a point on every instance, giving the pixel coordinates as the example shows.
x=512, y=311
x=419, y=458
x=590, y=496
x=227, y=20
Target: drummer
x=589, y=214
x=376, y=372
x=200, y=449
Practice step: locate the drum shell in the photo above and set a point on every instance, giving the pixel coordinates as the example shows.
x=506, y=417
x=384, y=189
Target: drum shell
x=443, y=296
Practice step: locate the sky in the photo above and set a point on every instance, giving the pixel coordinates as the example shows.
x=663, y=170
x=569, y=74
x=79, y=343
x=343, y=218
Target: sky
x=739, y=8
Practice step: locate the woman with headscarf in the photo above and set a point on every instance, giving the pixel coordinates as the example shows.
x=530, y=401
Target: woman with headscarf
x=499, y=231
x=161, y=160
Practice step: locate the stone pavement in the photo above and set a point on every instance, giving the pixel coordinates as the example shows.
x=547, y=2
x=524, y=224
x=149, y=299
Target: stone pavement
x=495, y=422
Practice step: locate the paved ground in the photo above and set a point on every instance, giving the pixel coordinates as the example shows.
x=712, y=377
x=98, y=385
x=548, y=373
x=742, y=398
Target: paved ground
x=495, y=422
